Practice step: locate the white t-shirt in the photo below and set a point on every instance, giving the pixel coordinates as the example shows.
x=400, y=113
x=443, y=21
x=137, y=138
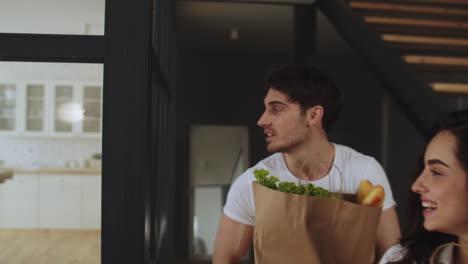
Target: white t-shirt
x=354, y=166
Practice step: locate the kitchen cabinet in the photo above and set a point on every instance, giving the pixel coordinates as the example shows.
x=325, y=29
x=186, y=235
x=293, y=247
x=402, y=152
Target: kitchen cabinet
x=19, y=203
x=35, y=107
x=92, y=106
x=51, y=108
x=59, y=201
x=64, y=96
x=77, y=109
x=90, y=202
x=51, y=201
x=8, y=106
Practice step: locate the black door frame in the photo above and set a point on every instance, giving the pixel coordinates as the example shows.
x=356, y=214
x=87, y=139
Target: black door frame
x=138, y=79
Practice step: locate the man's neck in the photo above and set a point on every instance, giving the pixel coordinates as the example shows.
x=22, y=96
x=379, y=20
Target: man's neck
x=312, y=161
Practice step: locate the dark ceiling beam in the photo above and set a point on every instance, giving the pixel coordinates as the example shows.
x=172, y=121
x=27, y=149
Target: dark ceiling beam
x=305, y=29
x=52, y=48
x=416, y=99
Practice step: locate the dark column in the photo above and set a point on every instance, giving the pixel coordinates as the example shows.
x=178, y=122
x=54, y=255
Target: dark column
x=305, y=24
x=137, y=163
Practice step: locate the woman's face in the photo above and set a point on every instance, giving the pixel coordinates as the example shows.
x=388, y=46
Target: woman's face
x=443, y=187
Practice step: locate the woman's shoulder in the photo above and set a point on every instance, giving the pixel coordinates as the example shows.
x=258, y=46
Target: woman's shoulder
x=394, y=253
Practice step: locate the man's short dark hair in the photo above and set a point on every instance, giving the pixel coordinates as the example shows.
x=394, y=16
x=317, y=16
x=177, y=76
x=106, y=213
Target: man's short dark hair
x=308, y=86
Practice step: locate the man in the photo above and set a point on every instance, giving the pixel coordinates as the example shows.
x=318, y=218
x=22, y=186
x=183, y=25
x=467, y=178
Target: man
x=301, y=106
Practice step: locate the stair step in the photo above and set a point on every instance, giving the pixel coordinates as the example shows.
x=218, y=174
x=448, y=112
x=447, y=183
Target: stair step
x=436, y=62
x=418, y=26
x=451, y=3
x=384, y=9
x=457, y=88
x=435, y=31
x=458, y=2
x=405, y=8
x=426, y=43
x=416, y=22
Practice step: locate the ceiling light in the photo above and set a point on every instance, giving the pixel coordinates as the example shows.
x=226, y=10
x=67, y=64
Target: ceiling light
x=70, y=112
x=234, y=34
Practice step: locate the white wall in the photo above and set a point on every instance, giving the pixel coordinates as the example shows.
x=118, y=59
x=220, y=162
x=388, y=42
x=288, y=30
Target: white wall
x=50, y=17
x=208, y=209
x=41, y=71
x=46, y=152
x=218, y=154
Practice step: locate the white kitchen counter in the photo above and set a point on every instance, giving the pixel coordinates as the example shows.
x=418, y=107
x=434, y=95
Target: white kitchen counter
x=52, y=198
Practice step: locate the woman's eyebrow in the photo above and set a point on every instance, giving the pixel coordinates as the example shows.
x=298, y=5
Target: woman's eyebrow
x=437, y=161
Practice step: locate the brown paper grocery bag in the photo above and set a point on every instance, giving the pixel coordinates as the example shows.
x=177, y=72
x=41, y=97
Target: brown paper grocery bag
x=291, y=228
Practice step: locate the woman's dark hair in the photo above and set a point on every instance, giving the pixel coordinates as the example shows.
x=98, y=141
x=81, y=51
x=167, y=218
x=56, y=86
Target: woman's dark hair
x=308, y=86
x=419, y=242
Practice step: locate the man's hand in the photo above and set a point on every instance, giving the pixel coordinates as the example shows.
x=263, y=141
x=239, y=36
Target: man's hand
x=233, y=240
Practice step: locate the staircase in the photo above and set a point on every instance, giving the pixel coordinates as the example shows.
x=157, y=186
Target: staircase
x=431, y=36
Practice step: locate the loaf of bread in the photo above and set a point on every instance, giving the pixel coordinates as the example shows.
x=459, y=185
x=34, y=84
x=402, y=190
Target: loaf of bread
x=370, y=195
x=365, y=186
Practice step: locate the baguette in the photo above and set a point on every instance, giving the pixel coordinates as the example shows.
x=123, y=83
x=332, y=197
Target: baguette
x=365, y=186
x=375, y=198
x=370, y=195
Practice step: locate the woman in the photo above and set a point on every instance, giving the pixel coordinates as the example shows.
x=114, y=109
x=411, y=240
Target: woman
x=439, y=225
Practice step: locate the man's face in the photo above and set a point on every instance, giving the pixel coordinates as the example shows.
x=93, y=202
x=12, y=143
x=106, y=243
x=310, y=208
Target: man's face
x=283, y=123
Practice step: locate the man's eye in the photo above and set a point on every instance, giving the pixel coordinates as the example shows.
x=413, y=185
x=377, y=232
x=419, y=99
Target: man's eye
x=275, y=110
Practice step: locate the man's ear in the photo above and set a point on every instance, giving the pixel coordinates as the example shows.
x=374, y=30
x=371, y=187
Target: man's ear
x=314, y=115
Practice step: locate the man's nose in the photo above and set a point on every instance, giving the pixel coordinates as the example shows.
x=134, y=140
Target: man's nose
x=262, y=120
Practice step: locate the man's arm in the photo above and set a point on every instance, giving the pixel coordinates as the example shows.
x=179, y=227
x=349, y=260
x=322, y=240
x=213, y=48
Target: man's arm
x=233, y=240
x=388, y=232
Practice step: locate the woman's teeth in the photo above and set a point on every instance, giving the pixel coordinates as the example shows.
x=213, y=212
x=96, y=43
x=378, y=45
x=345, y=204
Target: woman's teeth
x=428, y=205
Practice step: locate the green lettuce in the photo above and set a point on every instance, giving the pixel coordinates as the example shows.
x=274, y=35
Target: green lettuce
x=273, y=182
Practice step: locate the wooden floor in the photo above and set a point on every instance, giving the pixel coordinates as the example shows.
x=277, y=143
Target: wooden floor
x=40, y=246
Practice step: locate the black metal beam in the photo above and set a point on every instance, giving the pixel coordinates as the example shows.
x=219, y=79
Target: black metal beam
x=52, y=48
x=127, y=161
x=305, y=32
x=416, y=99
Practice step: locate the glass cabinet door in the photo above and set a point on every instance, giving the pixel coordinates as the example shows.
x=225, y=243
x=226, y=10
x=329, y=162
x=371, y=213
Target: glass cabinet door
x=92, y=109
x=35, y=103
x=63, y=107
x=50, y=210
x=7, y=107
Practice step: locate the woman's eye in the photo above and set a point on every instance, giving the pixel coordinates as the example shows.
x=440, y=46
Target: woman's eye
x=435, y=173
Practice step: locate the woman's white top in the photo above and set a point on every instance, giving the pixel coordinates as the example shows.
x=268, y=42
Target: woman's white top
x=396, y=253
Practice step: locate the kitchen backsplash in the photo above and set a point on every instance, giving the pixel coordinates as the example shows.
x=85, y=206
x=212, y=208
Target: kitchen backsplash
x=47, y=152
